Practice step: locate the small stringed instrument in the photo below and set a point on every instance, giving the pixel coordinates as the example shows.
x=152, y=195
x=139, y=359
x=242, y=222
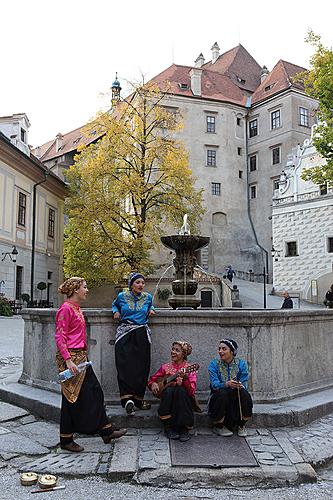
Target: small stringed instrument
x=164, y=382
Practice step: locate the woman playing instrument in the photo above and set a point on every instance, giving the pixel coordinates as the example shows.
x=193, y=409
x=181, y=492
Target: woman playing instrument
x=178, y=398
x=133, y=338
x=82, y=405
x=230, y=404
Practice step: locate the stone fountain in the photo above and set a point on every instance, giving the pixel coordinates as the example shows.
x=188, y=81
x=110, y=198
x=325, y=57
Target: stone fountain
x=184, y=286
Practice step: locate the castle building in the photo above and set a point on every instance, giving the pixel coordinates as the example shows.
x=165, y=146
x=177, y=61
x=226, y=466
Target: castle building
x=240, y=122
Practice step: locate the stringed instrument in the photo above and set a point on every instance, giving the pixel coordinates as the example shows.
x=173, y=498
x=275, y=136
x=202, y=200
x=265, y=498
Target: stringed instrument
x=166, y=381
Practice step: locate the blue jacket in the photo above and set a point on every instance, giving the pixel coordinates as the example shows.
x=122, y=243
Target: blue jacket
x=133, y=308
x=220, y=372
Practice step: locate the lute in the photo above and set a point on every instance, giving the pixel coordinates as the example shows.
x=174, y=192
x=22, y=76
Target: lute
x=164, y=382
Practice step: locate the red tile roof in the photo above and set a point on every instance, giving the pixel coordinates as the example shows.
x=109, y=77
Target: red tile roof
x=213, y=85
x=280, y=78
x=238, y=65
x=70, y=142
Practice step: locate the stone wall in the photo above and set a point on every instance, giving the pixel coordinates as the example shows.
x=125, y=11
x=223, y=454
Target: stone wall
x=289, y=352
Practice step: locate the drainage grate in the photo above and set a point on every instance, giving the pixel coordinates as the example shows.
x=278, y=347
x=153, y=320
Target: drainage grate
x=212, y=451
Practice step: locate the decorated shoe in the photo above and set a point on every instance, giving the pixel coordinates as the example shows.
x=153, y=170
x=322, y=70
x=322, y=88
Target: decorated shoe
x=242, y=432
x=222, y=431
x=129, y=407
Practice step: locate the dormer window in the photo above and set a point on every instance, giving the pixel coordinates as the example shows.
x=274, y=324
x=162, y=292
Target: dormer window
x=23, y=135
x=183, y=86
x=241, y=80
x=269, y=87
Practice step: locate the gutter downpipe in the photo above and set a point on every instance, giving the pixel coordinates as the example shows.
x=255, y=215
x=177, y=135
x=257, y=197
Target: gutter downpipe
x=265, y=270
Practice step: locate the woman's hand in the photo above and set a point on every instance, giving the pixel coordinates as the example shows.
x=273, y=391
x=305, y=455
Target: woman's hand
x=182, y=373
x=233, y=384
x=154, y=388
x=116, y=315
x=72, y=366
x=151, y=313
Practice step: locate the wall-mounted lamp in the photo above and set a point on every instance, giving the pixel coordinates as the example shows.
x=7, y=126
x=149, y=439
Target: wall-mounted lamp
x=275, y=254
x=12, y=255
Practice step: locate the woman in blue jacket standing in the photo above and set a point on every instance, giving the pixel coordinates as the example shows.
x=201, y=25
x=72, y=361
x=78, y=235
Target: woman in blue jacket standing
x=132, y=346
x=230, y=404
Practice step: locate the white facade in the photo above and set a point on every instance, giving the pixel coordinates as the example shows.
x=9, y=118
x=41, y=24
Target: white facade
x=16, y=128
x=303, y=229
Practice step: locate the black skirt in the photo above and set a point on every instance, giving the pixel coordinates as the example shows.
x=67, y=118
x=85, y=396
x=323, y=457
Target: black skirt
x=87, y=415
x=224, y=407
x=132, y=353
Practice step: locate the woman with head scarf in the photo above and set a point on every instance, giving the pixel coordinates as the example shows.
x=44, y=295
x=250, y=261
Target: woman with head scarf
x=133, y=338
x=82, y=405
x=230, y=404
x=178, y=398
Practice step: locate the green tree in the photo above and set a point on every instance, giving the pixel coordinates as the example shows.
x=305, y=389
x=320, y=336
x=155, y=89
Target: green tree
x=319, y=84
x=127, y=188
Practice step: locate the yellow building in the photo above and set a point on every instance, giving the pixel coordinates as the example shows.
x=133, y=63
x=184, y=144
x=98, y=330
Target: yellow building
x=31, y=241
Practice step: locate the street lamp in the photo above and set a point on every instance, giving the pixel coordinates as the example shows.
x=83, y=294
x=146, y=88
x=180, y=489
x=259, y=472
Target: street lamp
x=12, y=255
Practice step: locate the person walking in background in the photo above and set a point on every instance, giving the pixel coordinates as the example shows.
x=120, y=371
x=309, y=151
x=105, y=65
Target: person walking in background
x=133, y=338
x=178, y=398
x=82, y=404
x=329, y=298
x=230, y=273
x=230, y=404
x=287, y=303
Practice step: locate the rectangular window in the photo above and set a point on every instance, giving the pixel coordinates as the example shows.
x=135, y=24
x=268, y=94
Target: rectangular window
x=253, y=163
x=304, y=117
x=216, y=188
x=253, y=191
x=211, y=158
x=253, y=128
x=22, y=209
x=239, y=151
x=211, y=124
x=291, y=249
x=238, y=121
x=276, y=156
x=240, y=174
x=330, y=245
x=323, y=189
x=23, y=135
x=51, y=224
x=275, y=119
x=276, y=184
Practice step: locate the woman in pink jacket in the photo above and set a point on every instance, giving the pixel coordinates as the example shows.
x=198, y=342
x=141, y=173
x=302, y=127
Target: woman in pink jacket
x=82, y=406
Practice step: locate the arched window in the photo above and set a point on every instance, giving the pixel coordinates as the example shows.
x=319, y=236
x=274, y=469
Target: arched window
x=219, y=219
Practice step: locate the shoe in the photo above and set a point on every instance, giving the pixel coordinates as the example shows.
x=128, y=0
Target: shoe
x=145, y=405
x=129, y=407
x=72, y=446
x=115, y=434
x=242, y=432
x=184, y=436
x=171, y=434
x=222, y=431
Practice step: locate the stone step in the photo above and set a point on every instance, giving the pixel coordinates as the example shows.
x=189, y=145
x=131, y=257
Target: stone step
x=295, y=412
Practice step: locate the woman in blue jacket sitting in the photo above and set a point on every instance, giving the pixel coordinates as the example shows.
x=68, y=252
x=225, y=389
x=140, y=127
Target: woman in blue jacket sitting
x=230, y=404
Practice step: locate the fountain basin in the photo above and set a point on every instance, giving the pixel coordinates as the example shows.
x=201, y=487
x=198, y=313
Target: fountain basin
x=182, y=287
x=184, y=242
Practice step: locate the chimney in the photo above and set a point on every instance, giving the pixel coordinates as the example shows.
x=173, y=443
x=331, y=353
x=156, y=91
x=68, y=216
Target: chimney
x=195, y=75
x=200, y=61
x=215, y=52
x=264, y=74
x=58, y=144
x=38, y=152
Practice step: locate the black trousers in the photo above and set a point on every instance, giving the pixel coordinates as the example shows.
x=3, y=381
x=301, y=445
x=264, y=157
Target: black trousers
x=132, y=354
x=87, y=415
x=224, y=407
x=176, y=408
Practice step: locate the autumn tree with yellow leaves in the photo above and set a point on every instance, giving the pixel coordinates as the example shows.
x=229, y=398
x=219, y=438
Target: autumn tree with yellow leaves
x=128, y=188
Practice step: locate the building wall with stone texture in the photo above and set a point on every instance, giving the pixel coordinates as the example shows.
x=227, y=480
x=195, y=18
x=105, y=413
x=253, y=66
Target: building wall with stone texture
x=225, y=221
x=285, y=137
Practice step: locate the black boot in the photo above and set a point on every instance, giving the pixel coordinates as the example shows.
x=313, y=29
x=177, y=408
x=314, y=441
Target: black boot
x=169, y=432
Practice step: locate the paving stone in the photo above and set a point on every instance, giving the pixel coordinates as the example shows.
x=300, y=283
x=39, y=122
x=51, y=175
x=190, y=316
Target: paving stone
x=28, y=419
x=150, y=431
x=3, y=430
x=95, y=445
x=125, y=456
x=265, y=461
x=8, y=456
x=263, y=432
x=103, y=468
x=283, y=461
x=153, y=452
x=66, y=463
x=9, y=412
x=264, y=456
x=45, y=433
x=17, y=443
x=288, y=448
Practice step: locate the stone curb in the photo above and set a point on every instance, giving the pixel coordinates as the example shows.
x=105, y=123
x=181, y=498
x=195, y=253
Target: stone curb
x=295, y=413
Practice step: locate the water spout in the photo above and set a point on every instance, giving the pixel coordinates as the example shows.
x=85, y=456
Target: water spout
x=159, y=281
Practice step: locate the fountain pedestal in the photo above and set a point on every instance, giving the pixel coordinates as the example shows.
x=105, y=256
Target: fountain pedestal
x=184, y=286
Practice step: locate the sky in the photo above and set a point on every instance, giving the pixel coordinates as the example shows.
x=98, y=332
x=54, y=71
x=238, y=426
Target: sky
x=59, y=58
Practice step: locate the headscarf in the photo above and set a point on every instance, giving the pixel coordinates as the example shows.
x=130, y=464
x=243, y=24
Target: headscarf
x=185, y=347
x=232, y=344
x=133, y=277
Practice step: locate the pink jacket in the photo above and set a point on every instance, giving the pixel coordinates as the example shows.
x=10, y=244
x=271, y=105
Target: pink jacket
x=70, y=329
x=190, y=382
